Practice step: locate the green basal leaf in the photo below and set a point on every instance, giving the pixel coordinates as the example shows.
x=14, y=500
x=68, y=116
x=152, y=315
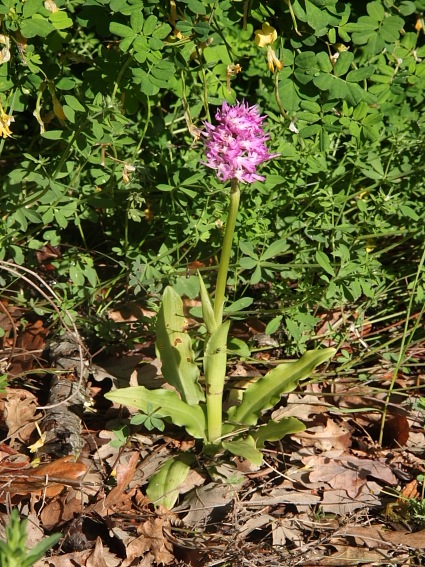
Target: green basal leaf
x=163, y=488
x=275, y=430
x=266, y=392
x=246, y=449
x=174, y=347
x=166, y=404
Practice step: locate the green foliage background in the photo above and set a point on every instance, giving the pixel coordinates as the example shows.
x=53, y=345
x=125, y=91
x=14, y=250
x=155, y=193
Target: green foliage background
x=104, y=160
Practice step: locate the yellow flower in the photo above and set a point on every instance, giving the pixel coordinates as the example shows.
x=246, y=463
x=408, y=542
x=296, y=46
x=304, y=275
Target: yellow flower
x=266, y=36
x=5, y=121
x=272, y=60
x=370, y=245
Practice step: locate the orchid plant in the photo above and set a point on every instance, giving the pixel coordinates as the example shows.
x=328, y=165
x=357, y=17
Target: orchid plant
x=235, y=147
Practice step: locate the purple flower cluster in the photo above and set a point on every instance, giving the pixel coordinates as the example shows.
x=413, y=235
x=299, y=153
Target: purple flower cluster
x=236, y=146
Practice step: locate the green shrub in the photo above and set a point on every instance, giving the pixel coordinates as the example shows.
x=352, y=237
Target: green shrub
x=104, y=160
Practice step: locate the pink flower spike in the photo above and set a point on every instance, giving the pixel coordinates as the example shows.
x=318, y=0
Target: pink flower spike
x=237, y=145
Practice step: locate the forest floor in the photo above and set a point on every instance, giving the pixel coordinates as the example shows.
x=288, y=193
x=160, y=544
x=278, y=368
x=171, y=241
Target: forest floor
x=330, y=495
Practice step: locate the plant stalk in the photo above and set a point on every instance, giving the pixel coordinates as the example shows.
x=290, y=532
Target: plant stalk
x=216, y=349
x=215, y=362
x=223, y=268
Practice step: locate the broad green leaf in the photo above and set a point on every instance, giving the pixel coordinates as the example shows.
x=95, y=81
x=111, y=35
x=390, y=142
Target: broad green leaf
x=239, y=305
x=360, y=74
x=310, y=131
x=310, y=106
x=256, y=276
x=74, y=103
x=127, y=42
x=202, y=29
x=294, y=329
x=147, y=87
x=306, y=60
x=32, y=215
x=266, y=392
x=375, y=43
x=337, y=87
x=174, y=346
x=320, y=20
x=36, y=26
x=65, y=84
x=217, y=53
x=246, y=449
x=409, y=212
x=238, y=347
x=343, y=63
x=163, y=488
x=155, y=44
x=289, y=95
x=276, y=430
x=163, y=70
x=136, y=21
x=324, y=62
x=247, y=248
x=166, y=404
x=407, y=7
x=76, y=275
x=162, y=31
x=275, y=249
x=274, y=325
x=309, y=116
x=376, y=10
x=197, y=7
x=150, y=25
x=69, y=113
x=60, y=20
x=121, y=30
x=247, y=263
x=391, y=27
x=323, y=261
x=31, y=7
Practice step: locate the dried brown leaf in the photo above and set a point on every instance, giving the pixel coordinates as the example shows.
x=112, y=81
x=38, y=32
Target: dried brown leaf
x=49, y=479
x=302, y=407
x=117, y=496
x=339, y=501
x=151, y=540
x=378, y=536
x=20, y=414
x=331, y=436
x=346, y=555
x=328, y=467
x=101, y=557
x=205, y=500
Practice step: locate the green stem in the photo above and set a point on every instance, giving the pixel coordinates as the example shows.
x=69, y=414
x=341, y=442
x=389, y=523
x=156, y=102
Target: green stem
x=215, y=362
x=215, y=359
x=223, y=268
